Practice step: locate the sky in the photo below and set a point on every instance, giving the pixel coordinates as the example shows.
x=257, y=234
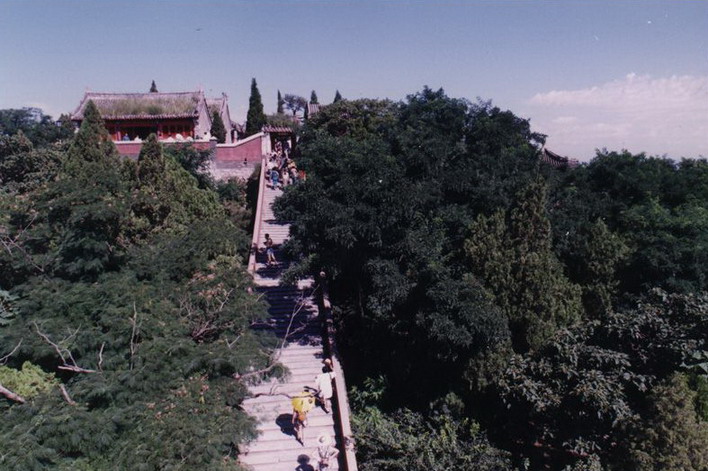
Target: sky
x=590, y=74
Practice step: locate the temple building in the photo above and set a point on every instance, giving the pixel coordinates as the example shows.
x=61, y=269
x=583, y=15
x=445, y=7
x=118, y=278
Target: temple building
x=558, y=161
x=181, y=116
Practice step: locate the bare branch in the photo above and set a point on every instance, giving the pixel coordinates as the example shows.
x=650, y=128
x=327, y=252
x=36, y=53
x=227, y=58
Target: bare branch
x=12, y=243
x=289, y=331
x=100, y=357
x=63, y=353
x=65, y=393
x=75, y=369
x=133, y=334
x=4, y=359
x=11, y=395
x=233, y=342
x=48, y=340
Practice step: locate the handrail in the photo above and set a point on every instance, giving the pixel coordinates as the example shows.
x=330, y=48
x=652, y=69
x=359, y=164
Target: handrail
x=257, y=220
x=340, y=386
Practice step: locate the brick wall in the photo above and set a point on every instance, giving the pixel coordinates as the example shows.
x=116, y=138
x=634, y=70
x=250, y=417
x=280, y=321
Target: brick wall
x=249, y=150
x=131, y=149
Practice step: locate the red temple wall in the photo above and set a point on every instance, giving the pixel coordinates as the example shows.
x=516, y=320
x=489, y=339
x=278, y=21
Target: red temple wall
x=250, y=151
x=131, y=149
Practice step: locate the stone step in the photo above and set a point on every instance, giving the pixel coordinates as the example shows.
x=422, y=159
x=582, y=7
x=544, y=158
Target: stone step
x=276, y=448
x=293, y=386
x=288, y=441
x=283, y=461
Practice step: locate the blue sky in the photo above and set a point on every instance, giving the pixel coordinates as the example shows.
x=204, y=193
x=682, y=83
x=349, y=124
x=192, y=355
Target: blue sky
x=591, y=74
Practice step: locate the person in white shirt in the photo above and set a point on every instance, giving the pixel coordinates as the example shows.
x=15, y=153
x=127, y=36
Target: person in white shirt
x=326, y=452
x=323, y=384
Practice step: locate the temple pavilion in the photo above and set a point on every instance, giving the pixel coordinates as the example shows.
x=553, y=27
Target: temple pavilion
x=172, y=116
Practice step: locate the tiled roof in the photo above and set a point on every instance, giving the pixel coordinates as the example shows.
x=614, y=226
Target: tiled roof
x=215, y=104
x=277, y=129
x=557, y=160
x=142, y=105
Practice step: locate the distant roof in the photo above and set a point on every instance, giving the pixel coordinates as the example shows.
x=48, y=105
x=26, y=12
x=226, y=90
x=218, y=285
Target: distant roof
x=142, y=105
x=557, y=160
x=277, y=129
x=215, y=104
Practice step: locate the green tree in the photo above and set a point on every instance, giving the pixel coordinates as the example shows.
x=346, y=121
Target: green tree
x=92, y=143
x=313, y=98
x=512, y=253
x=279, y=110
x=295, y=103
x=599, y=256
x=255, y=118
x=39, y=128
x=406, y=440
x=671, y=437
x=153, y=87
x=85, y=206
x=218, y=130
x=151, y=162
x=581, y=393
x=337, y=97
x=147, y=310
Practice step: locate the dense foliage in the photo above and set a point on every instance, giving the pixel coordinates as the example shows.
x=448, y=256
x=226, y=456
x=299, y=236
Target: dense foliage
x=39, y=128
x=564, y=308
x=125, y=308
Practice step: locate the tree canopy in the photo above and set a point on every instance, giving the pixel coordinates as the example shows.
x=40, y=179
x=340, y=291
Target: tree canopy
x=125, y=310
x=561, y=307
x=295, y=103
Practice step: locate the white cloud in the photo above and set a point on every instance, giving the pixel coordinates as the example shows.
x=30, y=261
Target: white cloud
x=639, y=113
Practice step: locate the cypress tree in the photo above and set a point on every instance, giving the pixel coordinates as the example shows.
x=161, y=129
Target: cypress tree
x=153, y=87
x=280, y=103
x=511, y=251
x=313, y=98
x=218, y=130
x=92, y=143
x=255, y=119
x=337, y=97
x=151, y=161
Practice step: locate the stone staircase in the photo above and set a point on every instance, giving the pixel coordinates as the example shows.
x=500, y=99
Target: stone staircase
x=292, y=313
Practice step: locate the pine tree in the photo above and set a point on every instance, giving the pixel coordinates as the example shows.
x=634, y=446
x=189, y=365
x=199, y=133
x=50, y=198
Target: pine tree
x=281, y=102
x=151, y=161
x=337, y=97
x=153, y=87
x=255, y=119
x=92, y=143
x=87, y=202
x=601, y=253
x=218, y=130
x=313, y=98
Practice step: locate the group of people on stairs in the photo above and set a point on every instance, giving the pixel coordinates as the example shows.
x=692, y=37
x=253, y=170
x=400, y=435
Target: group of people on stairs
x=305, y=401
